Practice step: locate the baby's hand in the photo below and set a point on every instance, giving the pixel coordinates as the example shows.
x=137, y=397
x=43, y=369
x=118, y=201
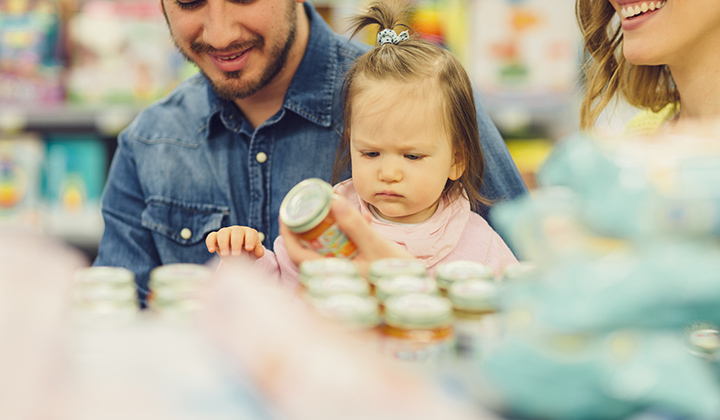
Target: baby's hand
x=232, y=240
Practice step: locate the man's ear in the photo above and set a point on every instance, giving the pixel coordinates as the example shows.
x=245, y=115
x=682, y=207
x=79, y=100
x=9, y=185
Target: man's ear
x=457, y=168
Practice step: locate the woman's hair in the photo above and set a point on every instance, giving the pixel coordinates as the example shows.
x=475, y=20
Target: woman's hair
x=417, y=60
x=608, y=73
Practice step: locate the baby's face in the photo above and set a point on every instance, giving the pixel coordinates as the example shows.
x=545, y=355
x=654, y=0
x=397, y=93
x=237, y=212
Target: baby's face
x=401, y=152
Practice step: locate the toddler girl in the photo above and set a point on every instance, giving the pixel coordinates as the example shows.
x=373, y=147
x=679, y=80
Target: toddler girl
x=412, y=143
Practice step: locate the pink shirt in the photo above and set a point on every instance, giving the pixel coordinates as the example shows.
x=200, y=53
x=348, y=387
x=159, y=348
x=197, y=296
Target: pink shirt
x=453, y=233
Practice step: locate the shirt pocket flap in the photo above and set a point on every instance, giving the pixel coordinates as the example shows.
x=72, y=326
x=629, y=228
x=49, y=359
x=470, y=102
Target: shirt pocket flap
x=184, y=223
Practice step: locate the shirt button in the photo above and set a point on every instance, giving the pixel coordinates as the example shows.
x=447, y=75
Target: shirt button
x=261, y=157
x=261, y=236
x=185, y=233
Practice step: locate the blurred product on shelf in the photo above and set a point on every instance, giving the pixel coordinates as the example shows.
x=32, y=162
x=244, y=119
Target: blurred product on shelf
x=74, y=176
x=36, y=277
x=529, y=155
x=30, y=53
x=21, y=158
x=309, y=366
x=120, y=52
x=175, y=288
x=104, y=296
x=620, y=309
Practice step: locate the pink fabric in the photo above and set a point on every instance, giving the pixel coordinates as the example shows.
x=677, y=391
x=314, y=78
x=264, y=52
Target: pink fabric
x=453, y=233
x=429, y=241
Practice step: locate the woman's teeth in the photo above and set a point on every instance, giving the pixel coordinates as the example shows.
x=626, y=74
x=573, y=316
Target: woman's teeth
x=631, y=11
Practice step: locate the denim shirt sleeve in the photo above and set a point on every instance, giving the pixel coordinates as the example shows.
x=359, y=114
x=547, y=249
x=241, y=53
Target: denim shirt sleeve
x=501, y=180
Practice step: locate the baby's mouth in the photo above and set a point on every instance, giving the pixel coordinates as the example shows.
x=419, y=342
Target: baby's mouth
x=637, y=9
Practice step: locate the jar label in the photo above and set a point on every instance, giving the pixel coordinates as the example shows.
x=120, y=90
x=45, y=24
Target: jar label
x=419, y=351
x=333, y=243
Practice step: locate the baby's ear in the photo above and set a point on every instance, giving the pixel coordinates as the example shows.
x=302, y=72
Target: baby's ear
x=457, y=168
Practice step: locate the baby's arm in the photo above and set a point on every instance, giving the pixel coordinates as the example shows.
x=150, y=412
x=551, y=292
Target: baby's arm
x=233, y=239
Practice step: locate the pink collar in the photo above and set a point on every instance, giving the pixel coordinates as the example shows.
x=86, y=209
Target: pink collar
x=429, y=241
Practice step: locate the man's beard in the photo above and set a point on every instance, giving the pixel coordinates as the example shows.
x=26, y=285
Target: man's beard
x=278, y=57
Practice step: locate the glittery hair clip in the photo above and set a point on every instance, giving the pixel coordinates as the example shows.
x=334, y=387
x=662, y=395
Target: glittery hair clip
x=389, y=36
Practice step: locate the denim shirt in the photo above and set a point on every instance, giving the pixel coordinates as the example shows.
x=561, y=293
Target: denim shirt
x=191, y=164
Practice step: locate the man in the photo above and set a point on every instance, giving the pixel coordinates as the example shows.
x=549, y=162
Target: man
x=227, y=145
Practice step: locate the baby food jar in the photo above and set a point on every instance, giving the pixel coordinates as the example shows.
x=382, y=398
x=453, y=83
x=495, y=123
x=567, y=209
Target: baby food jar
x=418, y=328
x=326, y=267
x=305, y=210
x=404, y=285
x=174, y=288
x=353, y=311
x=105, y=295
x=451, y=272
x=322, y=287
x=477, y=325
x=393, y=267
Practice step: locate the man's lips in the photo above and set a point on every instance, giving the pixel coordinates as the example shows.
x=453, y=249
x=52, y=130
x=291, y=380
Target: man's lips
x=230, y=62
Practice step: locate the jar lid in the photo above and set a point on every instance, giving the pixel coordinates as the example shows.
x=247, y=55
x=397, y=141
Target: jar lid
x=393, y=267
x=474, y=295
x=353, y=310
x=320, y=287
x=119, y=294
x=404, y=285
x=327, y=267
x=418, y=311
x=306, y=204
x=173, y=275
x=450, y=272
x=520, y=271
x=111, y=276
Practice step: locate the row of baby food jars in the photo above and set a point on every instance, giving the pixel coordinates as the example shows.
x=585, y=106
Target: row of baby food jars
x=108, y=295
x=418, y=317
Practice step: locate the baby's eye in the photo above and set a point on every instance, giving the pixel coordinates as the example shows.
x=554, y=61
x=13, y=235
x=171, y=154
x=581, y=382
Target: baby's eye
x=370, y=154
x=413, y=157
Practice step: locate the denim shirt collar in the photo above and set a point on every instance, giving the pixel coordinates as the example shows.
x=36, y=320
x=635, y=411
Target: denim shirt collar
x=308, y=95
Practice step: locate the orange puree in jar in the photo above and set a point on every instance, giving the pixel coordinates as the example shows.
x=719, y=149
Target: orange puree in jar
x=305, y=210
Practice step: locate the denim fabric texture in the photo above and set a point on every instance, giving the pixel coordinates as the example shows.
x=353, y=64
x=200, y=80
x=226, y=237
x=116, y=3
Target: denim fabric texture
x=188, y=164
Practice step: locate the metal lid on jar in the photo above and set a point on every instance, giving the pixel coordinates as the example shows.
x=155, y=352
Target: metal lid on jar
x=306, y=204
x=120, y=294
x=327, y=267
x=418, y=311
x=352, y=310
x=179, y=275
x=404, y=285
x=474, y=295
x=450, y=272
x=322, y=287
x=393, y=267
x=108, y=276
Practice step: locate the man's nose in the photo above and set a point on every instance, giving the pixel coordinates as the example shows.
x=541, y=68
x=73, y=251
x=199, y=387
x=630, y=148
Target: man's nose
x=221, y=27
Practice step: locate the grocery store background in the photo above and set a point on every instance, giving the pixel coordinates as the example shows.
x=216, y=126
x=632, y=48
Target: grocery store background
x=73, y=73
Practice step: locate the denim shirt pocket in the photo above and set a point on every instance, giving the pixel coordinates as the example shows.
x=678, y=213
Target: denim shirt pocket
x=183, y=222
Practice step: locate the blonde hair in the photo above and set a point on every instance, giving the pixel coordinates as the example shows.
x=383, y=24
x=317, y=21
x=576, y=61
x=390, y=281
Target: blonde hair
x=608, y=73
x=417, y=59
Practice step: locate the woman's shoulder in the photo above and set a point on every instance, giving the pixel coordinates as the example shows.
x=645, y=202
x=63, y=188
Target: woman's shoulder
x=646, y=122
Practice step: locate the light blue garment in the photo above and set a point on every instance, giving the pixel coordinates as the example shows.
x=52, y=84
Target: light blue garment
x=187, y=165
